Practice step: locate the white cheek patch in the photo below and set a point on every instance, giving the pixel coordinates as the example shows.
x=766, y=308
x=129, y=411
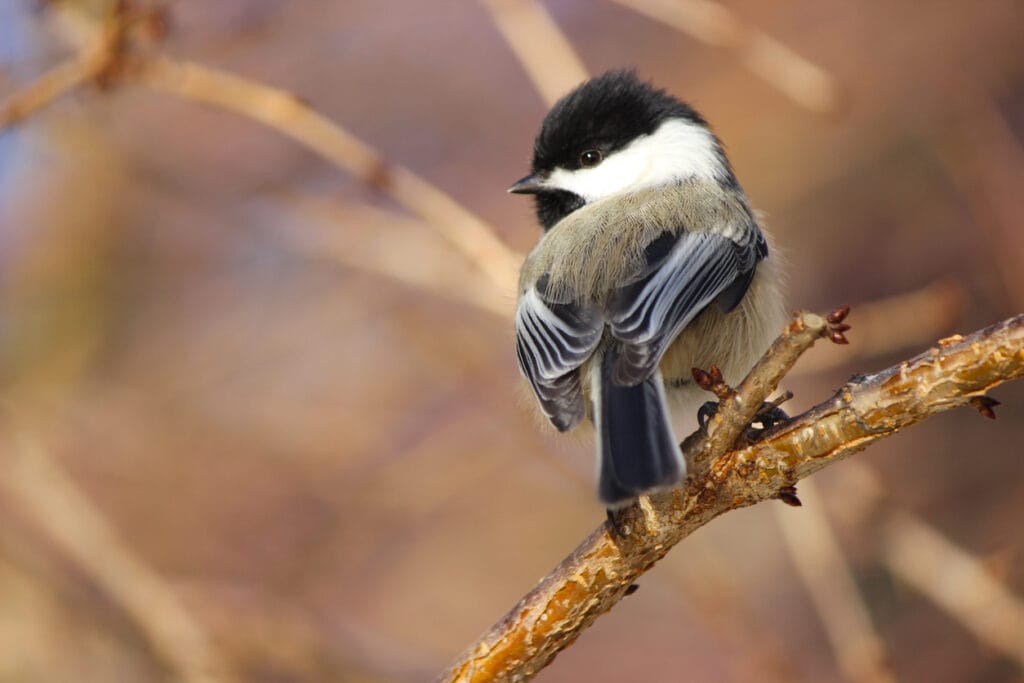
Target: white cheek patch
x=677, y=149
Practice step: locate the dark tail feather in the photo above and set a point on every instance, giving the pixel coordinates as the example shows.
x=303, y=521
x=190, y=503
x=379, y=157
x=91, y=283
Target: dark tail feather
x=637, y=450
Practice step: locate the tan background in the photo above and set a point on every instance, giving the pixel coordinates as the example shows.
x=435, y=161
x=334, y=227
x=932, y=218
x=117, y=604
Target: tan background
x=331, y=474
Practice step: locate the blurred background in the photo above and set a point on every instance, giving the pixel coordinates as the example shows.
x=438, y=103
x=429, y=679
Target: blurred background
x=260, y=418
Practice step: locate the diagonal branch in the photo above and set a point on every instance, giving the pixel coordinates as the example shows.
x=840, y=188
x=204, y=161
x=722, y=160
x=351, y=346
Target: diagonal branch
x=601, y=570
x=955, y=581
x=50, y=86
x=290, y=116
x=97, y=56
x=107, y=55
x=712, y=23
x=822, y=568
x=35, y=481
x=546, y=54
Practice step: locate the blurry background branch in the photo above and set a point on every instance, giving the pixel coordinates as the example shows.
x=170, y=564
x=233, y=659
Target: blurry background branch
x=233, y=360
x=601, y=570
x=54, y=501
x=106, y=54
x=822, y=567
x=290, y=116
x=545, y=53
x=801, y=80
x=956, y=582
x=99, y=51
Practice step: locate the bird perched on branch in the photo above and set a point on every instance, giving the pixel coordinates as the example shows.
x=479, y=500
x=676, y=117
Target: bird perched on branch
x=651, y=263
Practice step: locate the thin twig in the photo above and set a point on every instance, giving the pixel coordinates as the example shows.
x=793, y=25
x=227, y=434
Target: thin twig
x=599, y=572
x=31, y=477
x=544, y=51
x=924, y=314
x=283, y=112
x=92, y=60
x=955, y=581
x=720, y=601
x=923, y=557
x=387, y=245
x=802, y=81
x=289, y=116
x=982, y=155
x=53, y=84
x=824, y=571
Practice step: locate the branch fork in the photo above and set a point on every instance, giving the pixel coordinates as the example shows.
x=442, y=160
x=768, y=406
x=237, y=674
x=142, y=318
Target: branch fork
x=723, y=477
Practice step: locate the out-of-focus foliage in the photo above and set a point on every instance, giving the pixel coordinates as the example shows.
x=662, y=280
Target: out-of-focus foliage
x=336, y=473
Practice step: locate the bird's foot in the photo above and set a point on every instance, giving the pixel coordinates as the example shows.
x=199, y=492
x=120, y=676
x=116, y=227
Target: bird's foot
x=769, y=416
x=614, y=523
x=705, y=413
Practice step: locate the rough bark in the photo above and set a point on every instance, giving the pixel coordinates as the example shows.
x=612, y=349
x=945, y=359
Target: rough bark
x=599, y=572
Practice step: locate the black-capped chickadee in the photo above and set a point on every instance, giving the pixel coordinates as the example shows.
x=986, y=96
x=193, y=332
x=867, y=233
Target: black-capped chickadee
x=651, y=263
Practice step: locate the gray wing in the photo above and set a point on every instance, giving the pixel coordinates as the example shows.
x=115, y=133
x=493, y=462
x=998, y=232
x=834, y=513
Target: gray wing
x=552, y=341
x=686, y=272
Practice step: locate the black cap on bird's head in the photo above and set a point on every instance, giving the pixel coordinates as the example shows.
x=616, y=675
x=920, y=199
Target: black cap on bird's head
x=604, y=115
x=610, y=110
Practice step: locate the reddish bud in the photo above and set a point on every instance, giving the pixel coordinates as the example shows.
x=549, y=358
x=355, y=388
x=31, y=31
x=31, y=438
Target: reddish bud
x=838, y=315
x=787, y=494
x=985, y=405
x=837, y=337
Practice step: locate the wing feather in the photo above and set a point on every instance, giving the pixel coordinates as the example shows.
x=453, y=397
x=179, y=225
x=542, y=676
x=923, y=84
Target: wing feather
x=552, y=341
x=648, y=314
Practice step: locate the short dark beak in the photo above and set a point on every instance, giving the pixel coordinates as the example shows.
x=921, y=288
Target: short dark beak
x=531, y=184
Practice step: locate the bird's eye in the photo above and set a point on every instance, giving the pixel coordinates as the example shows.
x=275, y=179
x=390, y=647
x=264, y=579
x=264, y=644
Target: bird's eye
x=591, y=158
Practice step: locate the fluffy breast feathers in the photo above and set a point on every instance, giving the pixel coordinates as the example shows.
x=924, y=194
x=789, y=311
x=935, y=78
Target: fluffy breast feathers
x=600, y=247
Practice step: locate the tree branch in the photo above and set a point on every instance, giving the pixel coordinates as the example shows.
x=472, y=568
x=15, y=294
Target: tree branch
x=107, y=56
x=712, y=23
x=601, y=570
x=290, y=116
x=97, y=57
x=38, y=483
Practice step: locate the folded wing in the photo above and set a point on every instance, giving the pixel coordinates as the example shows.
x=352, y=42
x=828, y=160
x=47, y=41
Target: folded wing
x=682, y=278
x=552, y=341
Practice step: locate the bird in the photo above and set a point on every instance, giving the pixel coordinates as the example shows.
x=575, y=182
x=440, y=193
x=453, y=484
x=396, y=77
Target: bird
x=651, y=262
